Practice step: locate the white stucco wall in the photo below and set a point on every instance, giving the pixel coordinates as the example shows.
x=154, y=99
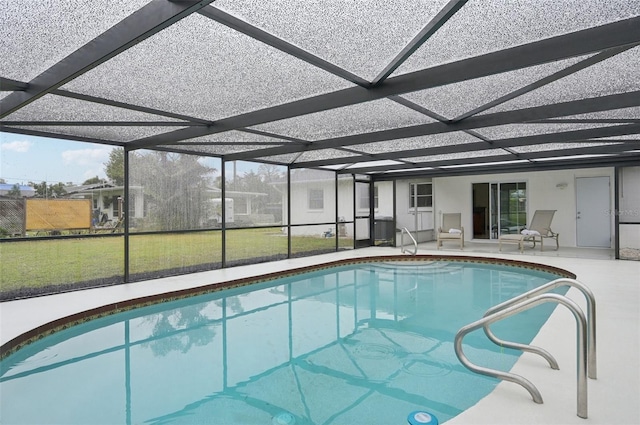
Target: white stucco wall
x=453, y=194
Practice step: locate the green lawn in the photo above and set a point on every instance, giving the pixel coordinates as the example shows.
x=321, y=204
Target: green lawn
x=38, y=263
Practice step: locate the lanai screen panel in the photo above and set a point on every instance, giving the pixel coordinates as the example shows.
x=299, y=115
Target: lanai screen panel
x=255, y=212
x=346, y=222
x=178, y=192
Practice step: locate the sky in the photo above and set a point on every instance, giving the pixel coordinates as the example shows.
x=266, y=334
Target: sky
x=37, y=159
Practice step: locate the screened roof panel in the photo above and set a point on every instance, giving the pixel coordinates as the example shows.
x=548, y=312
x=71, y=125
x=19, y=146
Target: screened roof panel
x=59, y=108
x=215, y=150
x=360, y=118
x=486, y=164
x=228, y=142
x=324, y=154
x=282, y=159
x=424, y=169
x=618, y=74
x=361, y=38
x=381, y=163
x=486, y=26
x=625, y=137
x=41, y=33
x=431, y=141
x=558, y=158
x=203, y=69
x=459, y=155
x=623, y=113
x=106, y=133
x=521, y=130
x=456, y=99
x=332, y=167
x=556, y=146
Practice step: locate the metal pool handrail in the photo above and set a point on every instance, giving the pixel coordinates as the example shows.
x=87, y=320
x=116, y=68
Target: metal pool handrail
x=415, y=244
x=581, y=327
x=591, y=323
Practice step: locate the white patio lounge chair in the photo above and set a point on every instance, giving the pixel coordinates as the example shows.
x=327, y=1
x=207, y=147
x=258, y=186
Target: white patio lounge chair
x=539, y=229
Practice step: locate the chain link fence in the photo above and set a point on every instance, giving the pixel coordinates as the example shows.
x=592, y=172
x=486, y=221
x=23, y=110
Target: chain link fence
x=12, y=217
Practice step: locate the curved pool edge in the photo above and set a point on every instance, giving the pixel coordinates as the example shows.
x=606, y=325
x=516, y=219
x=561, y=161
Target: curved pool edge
x=62, y=323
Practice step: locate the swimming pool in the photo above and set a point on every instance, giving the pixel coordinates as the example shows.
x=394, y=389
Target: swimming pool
x=348, y=344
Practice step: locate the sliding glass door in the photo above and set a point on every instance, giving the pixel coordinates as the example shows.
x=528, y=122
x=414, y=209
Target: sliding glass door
x=499, y=208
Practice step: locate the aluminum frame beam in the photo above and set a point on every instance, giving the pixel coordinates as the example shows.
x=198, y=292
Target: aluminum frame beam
x=559, y=137
x=7, y=84
x=273, y=41
x=595, y=104
x=589, y=150
x=578, y=43
x=117, y=104
x=546, y=80
x=102, y=123
x=596, y=162
x=434, y=25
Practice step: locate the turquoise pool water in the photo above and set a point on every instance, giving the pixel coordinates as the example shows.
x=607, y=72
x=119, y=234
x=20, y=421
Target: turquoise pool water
x=358, y=344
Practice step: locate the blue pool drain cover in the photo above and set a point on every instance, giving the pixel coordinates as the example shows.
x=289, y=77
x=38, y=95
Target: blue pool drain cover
x=420, y=418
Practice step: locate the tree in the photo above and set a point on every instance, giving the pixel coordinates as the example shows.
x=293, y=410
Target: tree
x=57, y=189
x=262, y=182
x=175, y=188
x=94, y=180
x=114, y=168
x=168, y=330
x=50, y=191
x=14, y=192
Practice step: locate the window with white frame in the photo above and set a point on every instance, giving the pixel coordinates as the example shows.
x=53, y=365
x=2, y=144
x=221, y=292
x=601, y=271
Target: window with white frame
x=316, y=199
x=420, y=195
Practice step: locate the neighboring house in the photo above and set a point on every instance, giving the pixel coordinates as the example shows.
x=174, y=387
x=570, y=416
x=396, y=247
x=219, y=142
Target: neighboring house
x=240, y=207
x=25, y=191
x=107, y=200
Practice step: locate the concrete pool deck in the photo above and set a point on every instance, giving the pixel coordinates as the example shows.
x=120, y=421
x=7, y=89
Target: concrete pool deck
x=613, y=397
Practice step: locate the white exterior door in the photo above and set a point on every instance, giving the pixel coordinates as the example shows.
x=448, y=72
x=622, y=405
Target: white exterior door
x=593, y=218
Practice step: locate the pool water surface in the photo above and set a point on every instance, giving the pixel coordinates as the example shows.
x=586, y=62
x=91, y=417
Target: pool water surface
x=356, y=344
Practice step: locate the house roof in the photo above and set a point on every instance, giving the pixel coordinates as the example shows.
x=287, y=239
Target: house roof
x=91, y=187
x=25, y=190
x=430, y=87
